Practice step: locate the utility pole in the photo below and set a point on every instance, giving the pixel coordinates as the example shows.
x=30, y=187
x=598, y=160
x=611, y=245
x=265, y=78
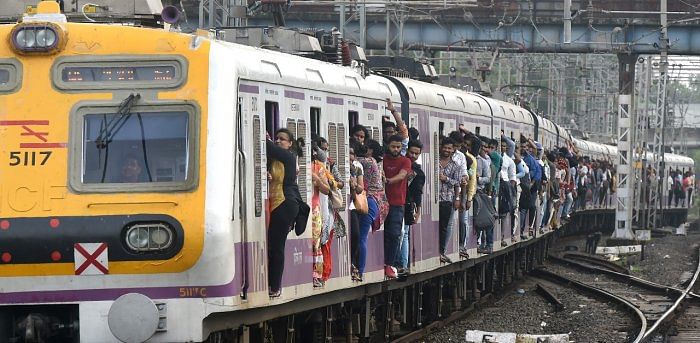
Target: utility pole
x=657, y=122
x=625, y=146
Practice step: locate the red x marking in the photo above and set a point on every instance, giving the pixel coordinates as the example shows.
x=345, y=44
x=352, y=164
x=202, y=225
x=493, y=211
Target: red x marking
x=91, y=259
x=30, y=132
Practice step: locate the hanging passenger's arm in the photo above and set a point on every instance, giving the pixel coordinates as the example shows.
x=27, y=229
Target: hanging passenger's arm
x=401, y=126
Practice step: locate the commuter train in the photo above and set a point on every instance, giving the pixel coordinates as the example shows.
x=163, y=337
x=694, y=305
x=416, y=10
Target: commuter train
x=97, y=247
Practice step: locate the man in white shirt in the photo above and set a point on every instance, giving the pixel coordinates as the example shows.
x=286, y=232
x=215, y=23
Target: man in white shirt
x=508, y=180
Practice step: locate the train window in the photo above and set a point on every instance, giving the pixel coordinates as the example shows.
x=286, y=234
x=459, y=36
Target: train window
x=257, y=167
x=292, y=126
x=315, y=119
x=342, y=157
x=436, y=165
x=119, y=72
x=477, y=130
x=272, y=117
x=147, y=148
x=303, y=161
x=375, y=134
x=353, y=118
x=441, y=129
x=10, y=75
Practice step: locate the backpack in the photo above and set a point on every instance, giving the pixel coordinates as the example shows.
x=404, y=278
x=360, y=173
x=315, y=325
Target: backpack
x=505, y=200
x=484, y=212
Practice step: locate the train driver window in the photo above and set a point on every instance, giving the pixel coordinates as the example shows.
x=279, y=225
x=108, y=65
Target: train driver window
x=142, y=147
x=272, y=117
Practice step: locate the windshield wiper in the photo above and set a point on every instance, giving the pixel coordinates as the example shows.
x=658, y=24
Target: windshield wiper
x=108, y=131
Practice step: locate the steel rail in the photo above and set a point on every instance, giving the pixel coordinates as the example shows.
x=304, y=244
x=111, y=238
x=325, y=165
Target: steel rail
x=671, y=309
x=601, y=292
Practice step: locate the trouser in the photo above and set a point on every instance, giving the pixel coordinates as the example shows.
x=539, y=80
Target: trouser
x=544, y=211
x=602, y=195
x=515, y=214
x=354, y=237
x=365, y=226
x=446, y=211
x=568, y=202
x=281, y=219
x=464, y=228
x=327, y=258
x=534, y=191
x=670, y=197
x=402, y=259
x=487, y=240
x=523, y=220
x=392, y=233
x=690, y=196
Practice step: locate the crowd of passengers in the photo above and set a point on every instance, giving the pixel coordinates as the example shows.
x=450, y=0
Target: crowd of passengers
x=516, y=178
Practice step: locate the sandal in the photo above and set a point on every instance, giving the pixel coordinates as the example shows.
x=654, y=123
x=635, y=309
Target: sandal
x=318, y=283
x=275, y=294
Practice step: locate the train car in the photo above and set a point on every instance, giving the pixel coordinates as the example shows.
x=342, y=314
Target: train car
x=134, y=197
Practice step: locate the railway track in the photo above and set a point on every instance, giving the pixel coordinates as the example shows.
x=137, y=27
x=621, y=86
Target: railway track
x=654, y=305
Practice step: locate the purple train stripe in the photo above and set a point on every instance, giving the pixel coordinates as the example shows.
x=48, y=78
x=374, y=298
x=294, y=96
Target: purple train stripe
x=370, y=106
x=169, y=292
x=293, y=95
x=249, y=89
x=334, y=101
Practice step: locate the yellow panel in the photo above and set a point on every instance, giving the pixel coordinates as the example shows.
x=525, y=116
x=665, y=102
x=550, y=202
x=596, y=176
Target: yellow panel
x=42, y=191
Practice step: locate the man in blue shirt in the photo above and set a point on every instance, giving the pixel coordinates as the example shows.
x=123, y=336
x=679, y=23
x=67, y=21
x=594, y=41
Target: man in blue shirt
x=529, y=150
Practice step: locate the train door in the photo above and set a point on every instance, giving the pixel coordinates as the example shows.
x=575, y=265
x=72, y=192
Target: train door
x=251, y=154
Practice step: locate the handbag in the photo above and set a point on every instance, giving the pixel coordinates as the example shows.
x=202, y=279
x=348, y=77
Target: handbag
x=360, y=201
x=336, y=199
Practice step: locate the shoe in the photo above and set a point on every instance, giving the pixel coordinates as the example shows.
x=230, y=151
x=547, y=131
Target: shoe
x=318, y=283
x=463, y=253
x=444, y=259
x=390, y=272
x=523, y=237
x=355, y=274
x=542, y=231
x=504, y=243
x=481, y=250
x=275, y=294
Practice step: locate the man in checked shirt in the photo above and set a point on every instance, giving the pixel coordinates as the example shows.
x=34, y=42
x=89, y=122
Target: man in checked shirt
x=450, y=178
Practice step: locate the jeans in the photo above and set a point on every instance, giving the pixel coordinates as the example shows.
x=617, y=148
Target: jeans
x=392, y=233
x=402, y=259
x=523, y=220
x=567, y=204
x=365, y=226
x=464, y=228
x=446, y=211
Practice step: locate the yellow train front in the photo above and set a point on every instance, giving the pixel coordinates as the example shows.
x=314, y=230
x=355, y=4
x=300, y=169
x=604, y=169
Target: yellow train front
x=103, y=234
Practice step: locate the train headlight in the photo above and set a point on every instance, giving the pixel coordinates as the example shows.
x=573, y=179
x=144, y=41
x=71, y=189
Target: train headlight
x=37, y=38
x=149, y=237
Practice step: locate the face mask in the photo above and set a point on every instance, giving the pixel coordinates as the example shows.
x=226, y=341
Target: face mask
x=322, y=156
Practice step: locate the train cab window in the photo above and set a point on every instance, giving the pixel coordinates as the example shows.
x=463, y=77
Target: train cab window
x=149, y=148
x=441, y=129
x=272, y=117
x=315, y=120
x=10, y=76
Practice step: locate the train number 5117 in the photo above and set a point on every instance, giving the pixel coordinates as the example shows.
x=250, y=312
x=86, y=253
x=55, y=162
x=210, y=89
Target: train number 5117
x=29, y=158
